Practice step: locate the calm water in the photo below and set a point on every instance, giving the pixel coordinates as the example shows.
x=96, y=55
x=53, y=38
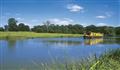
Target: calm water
x=27, y=53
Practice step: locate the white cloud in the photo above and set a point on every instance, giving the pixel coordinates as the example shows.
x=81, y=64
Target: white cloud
x=27, y=23
x=75, y=8
x=85, y=24
x=68, y=19
x=101, y=24
x=64, y=21
x=18, y=18
x=101, y=17
x=106, y=15
x=98, y=24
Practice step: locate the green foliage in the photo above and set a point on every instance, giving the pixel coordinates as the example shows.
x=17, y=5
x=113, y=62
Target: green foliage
x=51, y=28
x=107, y=30
x=107, y=61
x=117, y=30
x=12, y=24
x=1, y=29
x=23, y=27
x=48, y=27
x=91, y=28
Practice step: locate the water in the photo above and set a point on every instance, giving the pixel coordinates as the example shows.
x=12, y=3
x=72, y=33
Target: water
x=29, y=53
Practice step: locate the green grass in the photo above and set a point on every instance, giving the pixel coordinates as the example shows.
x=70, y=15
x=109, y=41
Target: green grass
x=34, y=35
x=108, y=61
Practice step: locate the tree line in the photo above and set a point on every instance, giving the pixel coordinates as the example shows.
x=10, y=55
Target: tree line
x=48, y=27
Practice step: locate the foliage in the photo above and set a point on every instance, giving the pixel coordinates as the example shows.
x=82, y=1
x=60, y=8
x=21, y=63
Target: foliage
x=51, y=28
x=23, y=27
x=107, y=30
x=48, y=27
x=91, y=28
x=107, y=61
x=1, y=29
x=117, y=30
x=12, y=24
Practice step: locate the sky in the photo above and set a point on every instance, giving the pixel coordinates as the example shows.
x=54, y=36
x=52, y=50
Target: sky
x=61, y=12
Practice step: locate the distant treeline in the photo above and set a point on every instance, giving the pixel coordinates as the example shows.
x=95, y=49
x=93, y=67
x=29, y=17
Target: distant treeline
x=48, y=27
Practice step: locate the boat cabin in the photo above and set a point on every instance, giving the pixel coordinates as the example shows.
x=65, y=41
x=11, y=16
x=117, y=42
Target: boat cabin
x=93, y=35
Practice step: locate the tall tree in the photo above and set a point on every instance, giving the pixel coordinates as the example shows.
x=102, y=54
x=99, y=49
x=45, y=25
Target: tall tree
x=12, y=24
x=47, y=24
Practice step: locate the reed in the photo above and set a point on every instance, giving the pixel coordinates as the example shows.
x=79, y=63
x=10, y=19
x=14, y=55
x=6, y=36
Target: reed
x=107, y=61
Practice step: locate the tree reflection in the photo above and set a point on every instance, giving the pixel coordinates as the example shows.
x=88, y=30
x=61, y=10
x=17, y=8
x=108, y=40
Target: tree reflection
x=63, y=42
x=11, y=43
x=111, y=40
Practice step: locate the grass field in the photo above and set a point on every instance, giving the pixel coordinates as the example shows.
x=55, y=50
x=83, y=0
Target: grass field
x=35, y=35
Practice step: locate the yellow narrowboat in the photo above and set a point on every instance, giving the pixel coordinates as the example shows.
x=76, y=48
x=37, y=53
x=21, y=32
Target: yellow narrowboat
x=90, y=35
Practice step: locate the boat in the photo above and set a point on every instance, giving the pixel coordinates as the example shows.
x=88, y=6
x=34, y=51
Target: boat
x=90, y=35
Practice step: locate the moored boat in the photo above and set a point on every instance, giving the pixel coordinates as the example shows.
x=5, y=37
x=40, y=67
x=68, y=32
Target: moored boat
x=89, y=35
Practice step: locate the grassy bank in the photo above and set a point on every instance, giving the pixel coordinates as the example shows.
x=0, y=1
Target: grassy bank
x=34, y=35
x=107, y=61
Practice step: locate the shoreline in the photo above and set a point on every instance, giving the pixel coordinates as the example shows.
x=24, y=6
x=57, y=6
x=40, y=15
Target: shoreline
x=36, y=35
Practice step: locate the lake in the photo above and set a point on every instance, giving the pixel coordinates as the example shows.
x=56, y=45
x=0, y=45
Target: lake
x=18, y=54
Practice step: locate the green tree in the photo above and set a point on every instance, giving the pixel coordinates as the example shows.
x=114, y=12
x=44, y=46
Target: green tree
x=78, y=29
x=117, y=30
x=12, y=24
x=91, y=28
x=107, y=30
x=1, y=29
x=27, y=28
x=37, y=28
x=23, y=27
x=51, y=28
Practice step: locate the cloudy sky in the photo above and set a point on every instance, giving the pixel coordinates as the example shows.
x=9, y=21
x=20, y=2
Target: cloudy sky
x=62, y=12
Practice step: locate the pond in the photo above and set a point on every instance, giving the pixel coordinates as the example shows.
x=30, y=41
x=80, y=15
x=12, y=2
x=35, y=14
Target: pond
x=28, y=53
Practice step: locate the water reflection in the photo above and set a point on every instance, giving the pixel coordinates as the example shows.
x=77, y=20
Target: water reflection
x=111, y=40
x=93, y=41
x=63, y=42
x=118, y=40
x=11, y=43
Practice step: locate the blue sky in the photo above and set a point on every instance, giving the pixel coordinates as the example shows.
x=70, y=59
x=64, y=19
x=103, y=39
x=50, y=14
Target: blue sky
x=62, y=12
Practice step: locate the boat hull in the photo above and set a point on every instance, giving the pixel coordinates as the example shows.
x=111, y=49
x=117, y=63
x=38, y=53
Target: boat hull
x=90, y=37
